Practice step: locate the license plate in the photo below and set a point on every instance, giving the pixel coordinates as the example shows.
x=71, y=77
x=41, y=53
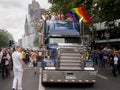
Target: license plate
x=70, y=77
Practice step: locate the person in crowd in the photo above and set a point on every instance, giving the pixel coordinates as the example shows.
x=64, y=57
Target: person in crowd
x=58, y=16
x=40, y=53
x=62, y=16
x=96, y=57
x=53, y=16
x=8, y=65
x=99, y=58
x=46, y=57
x=23, y=54
x=11, y=62
x=4, y=60
x=34, y=60
x=105, y=57
x=18, y=65
x=44, y=16
x=70, y=18
x=118, y=62
x=27, y=55
x=111, y=56
x=41, y=23
x=115, y=64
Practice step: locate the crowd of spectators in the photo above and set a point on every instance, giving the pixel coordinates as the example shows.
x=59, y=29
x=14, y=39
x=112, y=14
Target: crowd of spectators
x=106, y=57
x=6, y=62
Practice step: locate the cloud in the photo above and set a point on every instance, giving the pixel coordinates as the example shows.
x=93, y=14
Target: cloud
x=11, y=3
x=44, y=4
x=12, y=15
x=12, y=19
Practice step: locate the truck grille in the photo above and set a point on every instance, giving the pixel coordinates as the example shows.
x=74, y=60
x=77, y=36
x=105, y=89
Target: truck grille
x=70, y=59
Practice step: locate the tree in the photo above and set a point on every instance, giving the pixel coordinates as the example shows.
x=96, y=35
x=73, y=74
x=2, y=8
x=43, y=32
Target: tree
x=64, y=5
x=5, y=37
x=108, y=11
x=36, y=42
x=104, y=10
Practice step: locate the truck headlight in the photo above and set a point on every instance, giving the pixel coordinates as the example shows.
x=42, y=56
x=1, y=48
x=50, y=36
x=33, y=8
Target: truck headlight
x=50, y=65
x=88, y=65
x=89, y=68
x=50, y=68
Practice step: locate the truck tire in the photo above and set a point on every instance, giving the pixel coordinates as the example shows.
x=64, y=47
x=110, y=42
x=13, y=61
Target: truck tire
x=43, y=83
x=90, y=84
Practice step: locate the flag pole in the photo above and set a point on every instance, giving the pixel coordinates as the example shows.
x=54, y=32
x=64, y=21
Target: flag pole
x=80, y=22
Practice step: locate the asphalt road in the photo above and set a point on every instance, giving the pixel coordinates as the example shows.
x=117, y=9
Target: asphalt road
x=30, y=81
x=105, y=81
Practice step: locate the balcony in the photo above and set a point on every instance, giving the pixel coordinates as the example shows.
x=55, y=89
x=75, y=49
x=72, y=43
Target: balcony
x=107, y=37
x=111, y=35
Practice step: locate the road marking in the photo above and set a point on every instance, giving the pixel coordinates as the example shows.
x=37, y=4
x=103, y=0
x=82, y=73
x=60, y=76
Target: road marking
x=101, y=76
x=40, y=85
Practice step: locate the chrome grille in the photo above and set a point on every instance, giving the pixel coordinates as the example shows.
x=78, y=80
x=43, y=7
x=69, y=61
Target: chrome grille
x=70, y=58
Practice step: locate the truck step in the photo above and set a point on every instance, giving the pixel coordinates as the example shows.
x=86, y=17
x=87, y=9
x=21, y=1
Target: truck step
x=69, y=57
x=70, y=54
x=69, y=60
x=70, y=63
x=70, y=67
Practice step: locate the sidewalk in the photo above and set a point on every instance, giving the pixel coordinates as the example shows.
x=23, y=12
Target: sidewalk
x=30, y=81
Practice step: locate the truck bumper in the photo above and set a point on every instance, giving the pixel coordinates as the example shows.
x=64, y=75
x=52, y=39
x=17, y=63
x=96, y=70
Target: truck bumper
x=53, y=76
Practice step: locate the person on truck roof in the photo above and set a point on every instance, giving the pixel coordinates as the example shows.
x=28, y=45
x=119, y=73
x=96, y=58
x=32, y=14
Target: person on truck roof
x=70, y=18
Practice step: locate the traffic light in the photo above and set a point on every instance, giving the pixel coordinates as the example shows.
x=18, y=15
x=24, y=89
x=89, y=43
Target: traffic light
x=11, y=42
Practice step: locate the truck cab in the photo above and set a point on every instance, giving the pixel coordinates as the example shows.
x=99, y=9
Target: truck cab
x=64, y=58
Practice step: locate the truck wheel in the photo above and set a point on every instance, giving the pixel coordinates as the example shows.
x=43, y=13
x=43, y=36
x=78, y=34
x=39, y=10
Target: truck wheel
x=43, y=83
x=90, y=84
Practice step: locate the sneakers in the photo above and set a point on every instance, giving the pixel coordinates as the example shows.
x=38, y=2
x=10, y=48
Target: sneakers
x=13, y=89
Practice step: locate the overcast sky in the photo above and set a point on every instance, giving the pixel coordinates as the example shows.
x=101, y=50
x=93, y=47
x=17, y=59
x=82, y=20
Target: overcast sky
x=12, y=15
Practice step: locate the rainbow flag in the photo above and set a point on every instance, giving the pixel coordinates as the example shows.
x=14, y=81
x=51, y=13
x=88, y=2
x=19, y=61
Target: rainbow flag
x=75, y=18
x=79, y=13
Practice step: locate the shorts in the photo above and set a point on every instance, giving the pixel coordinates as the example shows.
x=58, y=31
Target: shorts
x=35, y=63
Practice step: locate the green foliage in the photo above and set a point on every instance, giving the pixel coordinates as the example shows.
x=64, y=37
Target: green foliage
x=108, y=11
x=105, y=10
x=65, y=5
x=36, y=42
x=4, y=38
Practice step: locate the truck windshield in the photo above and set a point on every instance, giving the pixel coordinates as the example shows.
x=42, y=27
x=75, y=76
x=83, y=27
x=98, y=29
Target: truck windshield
x=64, y=40
x=68, y=25
x=57, y=40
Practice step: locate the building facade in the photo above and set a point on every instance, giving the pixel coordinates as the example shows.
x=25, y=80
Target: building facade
x=107, y=37
x=32, y=24
x=20, y=42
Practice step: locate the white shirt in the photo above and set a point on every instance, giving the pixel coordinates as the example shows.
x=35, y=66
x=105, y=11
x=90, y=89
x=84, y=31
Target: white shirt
x=53, y=17
x=17, y=56
x=115, y=60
